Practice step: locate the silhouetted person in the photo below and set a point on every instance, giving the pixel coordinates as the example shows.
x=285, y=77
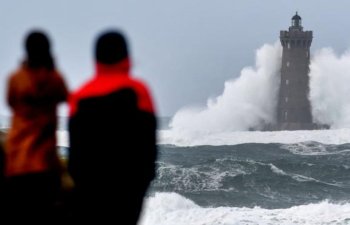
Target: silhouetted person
x=112, y=138
x=32, y=166
x=2, y=164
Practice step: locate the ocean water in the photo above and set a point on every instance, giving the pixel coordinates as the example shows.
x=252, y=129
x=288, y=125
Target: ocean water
x=287, y=177
x=252, y=183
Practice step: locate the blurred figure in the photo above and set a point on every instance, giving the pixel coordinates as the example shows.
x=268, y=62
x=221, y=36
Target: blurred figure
x=2, y=162
x=33, y=167
x=112, y=138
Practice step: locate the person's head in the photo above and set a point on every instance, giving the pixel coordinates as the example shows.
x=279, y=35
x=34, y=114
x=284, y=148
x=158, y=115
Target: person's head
x=111, y=47
x=38, y=53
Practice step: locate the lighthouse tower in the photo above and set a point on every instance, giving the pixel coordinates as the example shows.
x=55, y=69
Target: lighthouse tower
x=294, y=109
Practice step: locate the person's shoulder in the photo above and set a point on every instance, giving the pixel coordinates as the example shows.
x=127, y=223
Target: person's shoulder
x=85, y=87
x=139, y=84
x=17, y=74
x=78, y=94
x=144, y=94
x=57, y=74
x=56, y=77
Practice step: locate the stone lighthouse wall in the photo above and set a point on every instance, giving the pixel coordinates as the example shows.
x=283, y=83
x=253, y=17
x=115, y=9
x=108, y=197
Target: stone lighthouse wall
x=294, y=108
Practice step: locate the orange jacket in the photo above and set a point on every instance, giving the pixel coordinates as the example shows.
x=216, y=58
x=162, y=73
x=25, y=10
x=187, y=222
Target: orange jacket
x=33, y=96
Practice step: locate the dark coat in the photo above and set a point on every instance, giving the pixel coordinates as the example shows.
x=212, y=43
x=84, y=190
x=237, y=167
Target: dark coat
x=112, y=141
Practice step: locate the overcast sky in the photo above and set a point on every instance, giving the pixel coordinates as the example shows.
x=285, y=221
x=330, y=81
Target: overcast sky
x=184, y=49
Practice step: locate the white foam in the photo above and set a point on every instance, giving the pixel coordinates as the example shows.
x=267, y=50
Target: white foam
x=336, y=136
x=329, y=88
x=277, y=170
x=174, y=209
x=196, y=178
x=248, y=101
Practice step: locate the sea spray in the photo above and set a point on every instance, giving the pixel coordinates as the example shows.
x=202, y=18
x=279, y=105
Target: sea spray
x=248, y=101
x=330, y=88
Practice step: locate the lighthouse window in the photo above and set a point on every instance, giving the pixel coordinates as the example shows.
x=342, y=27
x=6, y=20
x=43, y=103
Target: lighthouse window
x=288, y=64
x=285, y=115
x=287, y=82
x=286, y=99
x=307, y=54
x=288, y=44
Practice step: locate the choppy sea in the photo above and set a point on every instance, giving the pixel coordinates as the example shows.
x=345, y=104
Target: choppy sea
x=287, y=177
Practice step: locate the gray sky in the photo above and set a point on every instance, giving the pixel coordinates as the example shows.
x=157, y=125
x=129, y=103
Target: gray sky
x=184, y=49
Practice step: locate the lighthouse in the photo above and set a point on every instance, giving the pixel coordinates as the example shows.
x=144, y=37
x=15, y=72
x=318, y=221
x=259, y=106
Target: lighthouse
x=293, y=107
